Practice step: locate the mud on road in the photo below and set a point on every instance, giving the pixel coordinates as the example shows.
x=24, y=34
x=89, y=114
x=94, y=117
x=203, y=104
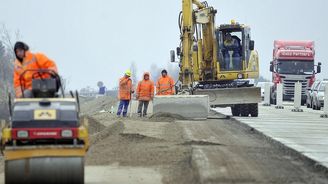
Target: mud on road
x=212, y=151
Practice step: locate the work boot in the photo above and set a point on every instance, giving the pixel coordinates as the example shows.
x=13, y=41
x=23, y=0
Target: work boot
x=139, y=114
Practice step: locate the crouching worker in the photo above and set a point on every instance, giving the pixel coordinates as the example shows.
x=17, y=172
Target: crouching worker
x=25, y=60
x=145, y=93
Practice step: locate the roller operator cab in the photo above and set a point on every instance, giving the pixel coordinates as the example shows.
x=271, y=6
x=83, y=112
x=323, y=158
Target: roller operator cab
x=45, y=141
x=293, y=61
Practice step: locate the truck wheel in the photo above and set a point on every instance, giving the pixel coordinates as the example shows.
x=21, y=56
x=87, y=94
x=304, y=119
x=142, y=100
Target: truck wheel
x=254, y=110
x=244, y=110
x=235, y=110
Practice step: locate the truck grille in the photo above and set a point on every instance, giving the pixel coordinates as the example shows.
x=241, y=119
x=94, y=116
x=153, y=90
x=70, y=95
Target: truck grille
x=289, y=86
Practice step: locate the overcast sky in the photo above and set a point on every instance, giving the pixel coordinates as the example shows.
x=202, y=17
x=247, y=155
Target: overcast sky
x=93, y=40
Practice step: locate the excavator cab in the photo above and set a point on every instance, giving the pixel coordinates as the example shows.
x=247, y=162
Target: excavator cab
x=234, y=46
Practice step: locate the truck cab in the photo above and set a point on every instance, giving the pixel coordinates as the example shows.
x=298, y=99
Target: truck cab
x=293, y=61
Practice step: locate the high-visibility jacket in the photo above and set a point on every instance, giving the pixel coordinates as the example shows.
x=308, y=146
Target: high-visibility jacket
x=165, y=86
x=125, y=88
x=145, y=89
x=30, y=61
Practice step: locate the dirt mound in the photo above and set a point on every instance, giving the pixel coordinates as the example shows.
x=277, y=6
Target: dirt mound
x=165, y=117
x=114, y=129
x=93, y=125
x=93, y=106
x=139, y=138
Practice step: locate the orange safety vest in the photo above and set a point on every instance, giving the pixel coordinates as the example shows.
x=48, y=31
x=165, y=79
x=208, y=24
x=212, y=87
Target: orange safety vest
x=125, y=88
x=165, y=86
x=145, y=89
x=30, y=61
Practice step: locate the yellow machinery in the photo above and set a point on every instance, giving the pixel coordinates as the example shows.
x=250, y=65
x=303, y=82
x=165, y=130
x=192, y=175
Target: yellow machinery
x=45, y=140
x=217, y=61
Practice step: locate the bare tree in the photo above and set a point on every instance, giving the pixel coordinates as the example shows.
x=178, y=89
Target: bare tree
x=155, y=72
x=134, y=71
x=173, y=70
x=7, y=56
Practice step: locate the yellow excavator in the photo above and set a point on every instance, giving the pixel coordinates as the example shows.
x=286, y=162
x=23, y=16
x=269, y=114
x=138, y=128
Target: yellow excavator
x=218, y=62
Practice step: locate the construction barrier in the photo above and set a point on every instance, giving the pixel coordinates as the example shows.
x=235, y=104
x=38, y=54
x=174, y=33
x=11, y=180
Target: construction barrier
x=267, y=92
x=297, y=97
x=325, y=104
x=279, y=96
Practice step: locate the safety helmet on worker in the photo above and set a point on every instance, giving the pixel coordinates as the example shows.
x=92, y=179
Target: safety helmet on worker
x=128, y=73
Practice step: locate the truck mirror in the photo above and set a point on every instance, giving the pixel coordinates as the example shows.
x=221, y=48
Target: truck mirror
x=271, y=67
x=319, y=68
x=172, y=55
x=251, y=45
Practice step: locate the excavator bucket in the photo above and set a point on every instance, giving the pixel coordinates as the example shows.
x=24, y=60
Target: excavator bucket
x=186, y=106
x=231, y=96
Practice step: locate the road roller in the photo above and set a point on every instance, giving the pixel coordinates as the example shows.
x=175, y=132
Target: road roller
x=45, y=140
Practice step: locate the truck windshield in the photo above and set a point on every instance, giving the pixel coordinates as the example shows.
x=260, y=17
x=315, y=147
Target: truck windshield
x=295, y=67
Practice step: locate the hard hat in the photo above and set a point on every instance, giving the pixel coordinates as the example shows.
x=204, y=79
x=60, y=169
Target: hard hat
x=128, y=72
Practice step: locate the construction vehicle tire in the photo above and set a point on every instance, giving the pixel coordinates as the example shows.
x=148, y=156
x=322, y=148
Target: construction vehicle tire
x=235, y=110
x=254, y=110
x=244, y=112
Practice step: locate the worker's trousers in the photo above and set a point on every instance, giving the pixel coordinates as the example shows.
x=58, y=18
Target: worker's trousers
x=145, y=107
x=123, y=106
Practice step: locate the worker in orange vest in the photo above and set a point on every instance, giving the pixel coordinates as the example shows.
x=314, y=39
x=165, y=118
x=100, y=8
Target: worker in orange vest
x=125, y=93
x=165, y=84
x=25, y=60
x=145, y=93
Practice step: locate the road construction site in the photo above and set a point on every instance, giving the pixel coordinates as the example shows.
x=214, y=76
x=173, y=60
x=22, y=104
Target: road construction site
x=208, y=125
x=168, y=149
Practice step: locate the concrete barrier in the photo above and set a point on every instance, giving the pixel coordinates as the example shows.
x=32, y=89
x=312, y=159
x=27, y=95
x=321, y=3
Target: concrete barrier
x=325, y=105
x=297, y=97
x=267, y=92
x=187, y=106
x=279, y=96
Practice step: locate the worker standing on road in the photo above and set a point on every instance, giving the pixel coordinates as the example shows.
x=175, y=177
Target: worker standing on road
x=165, y=84
x=145, y=93
x=125, y=93
x=25, y=60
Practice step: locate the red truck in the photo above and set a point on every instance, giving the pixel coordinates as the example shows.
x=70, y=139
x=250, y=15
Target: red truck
x=293, y=61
